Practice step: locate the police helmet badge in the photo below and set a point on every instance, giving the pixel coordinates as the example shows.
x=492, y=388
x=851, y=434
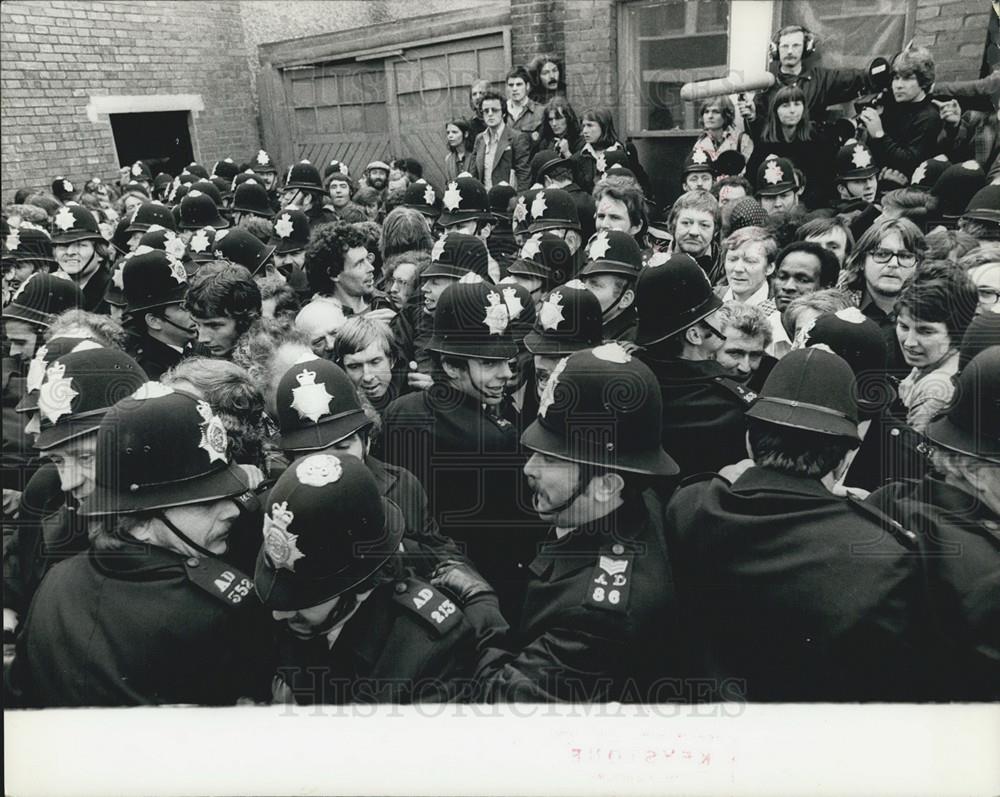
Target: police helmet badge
x=280, y=545
x=13, y=239
x=319, y=470
x=55, y=398
x=551, y=313
x=532, y=247
x=861, y=157
x=177, y=269
x=538, y=206
x=612, y=353
x=262, y=158
x=214, y=439
x=599, y=246
x=199, y=241
x=497, y=316
x=64, y=219
x=438, y=249
x=36, y=370
x=310, y=400
x=429, y=195
x=773, y=173
x=699, y=156
x=284, y=226
x=513, y=302
x=452, y=197
x=549, y=393
x=919, y=173
x=520, y=212
x=118, y=277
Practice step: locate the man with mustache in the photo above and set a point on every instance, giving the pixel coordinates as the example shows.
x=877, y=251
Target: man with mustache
x=694, y=224
x=162, y=330
x=598, y=622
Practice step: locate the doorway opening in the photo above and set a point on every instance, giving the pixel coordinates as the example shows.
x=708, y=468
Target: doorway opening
x=162, y=139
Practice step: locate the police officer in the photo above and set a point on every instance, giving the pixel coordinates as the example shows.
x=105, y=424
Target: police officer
x=703, y=424
x=453, y=439
x=263, y=165
x=82, y=254
x=357, y=625
x=291, y=234
x=77, y=390
x=453, y=256
x=250, y=199
x=554, y=210
x=789, y=591
x=30, y=249
x=33, y=307
x=198, y=211
x=698, y=171
x=598, y=621
x=552, y=170
x=154, y=284
x=144, y=217
x=614, y=261
x=304, y=189
x=422, y=197
x=955, y=512
x=568, y=320
x=246, y=249
x=778, y=185
x=465, y=206
x=857, y=176
x=319, y=411
x=544, y=262
x=150, y=614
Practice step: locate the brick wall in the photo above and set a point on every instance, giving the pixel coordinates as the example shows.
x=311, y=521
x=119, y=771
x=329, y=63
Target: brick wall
x=591, y=35
x=955, y=31
x=537, y=26
x=55, y=55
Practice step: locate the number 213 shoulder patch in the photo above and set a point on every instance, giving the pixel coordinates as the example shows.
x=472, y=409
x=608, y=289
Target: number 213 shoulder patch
x=610, y=582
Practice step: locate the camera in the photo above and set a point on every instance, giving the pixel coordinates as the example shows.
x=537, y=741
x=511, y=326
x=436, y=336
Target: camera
x=879, y=82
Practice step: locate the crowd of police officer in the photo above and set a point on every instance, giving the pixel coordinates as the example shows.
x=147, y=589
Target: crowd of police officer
x=327, y=440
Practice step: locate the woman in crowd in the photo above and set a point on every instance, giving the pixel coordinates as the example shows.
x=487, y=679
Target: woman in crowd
x=460, y=155
x=597, y=129
x=718, y=120
x=560, y=128
x=789, y=133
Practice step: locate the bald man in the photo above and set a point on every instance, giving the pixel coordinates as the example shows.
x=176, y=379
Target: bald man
x=320, y=320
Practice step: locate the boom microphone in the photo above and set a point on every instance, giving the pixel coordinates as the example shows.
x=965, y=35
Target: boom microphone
x=734, y=83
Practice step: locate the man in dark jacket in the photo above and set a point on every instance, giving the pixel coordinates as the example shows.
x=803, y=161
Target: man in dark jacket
x=453, y=439
x=956, y=515
x=598, y=621
x=150, y=614
x=155, y=285
x=704, y=428
x=789, y=591
x=790, y=48
x=357, y=625
x=501, y=152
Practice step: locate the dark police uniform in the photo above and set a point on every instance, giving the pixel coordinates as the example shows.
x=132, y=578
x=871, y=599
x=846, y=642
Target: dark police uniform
x=139, y=627
x=154, y=356
x=407, y=642
x=959, y=539
x=704, y=427
x=597, y=618
x=793, y=594
x=469, y=462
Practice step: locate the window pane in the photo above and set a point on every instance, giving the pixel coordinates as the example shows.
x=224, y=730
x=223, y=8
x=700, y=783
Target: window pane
x=672, y=43
x=851, y=32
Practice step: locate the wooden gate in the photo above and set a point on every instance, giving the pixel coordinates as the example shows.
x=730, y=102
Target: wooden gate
x=339, y=112
x=379, y=92
x=431, y=86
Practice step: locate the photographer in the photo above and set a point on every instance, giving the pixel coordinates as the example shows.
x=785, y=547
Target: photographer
x=905, y=132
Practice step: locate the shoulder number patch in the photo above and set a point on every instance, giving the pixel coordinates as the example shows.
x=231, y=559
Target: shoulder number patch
x=225, y=583
x=434, y=607
x=610, y=583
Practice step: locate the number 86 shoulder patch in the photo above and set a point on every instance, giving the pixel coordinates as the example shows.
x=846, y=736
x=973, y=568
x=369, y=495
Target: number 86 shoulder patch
x=609, y=584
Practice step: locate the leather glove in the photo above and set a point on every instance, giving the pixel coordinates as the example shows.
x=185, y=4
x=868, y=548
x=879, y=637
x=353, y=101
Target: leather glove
x=460, y=580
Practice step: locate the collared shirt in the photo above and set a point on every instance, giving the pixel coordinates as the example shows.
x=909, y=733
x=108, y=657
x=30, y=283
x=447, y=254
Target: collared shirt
x=780, y=343
x=492, y=144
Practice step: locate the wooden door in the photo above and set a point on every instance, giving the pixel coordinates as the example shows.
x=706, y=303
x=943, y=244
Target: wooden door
x=431, y=84
x=339, y=112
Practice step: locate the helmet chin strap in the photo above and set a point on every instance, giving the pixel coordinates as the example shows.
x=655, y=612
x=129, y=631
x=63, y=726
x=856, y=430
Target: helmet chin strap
x=174, y=324
x=170, y=525
x=577, y=492
x=614, y=304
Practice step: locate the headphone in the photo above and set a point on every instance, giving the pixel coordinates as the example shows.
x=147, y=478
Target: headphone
x=808, y=46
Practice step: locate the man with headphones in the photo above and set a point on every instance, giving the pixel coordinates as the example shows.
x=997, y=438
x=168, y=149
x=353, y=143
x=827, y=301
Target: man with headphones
x=790, y=48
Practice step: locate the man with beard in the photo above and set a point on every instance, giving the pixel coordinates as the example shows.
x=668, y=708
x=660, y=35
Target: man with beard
x=377, y=178
x=155, y=285
x=803, y=267
x=694, y=223
x=598, y=621
x=453, y=439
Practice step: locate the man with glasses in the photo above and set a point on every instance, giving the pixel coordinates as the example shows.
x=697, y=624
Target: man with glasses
x=703, y=423
x=501, y=153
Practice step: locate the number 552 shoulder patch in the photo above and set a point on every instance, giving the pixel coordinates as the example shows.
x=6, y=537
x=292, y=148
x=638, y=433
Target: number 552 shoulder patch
x=610, y=583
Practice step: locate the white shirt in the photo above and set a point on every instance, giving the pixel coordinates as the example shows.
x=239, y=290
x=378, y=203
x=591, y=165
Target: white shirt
x=492, y=142
x=780, y=344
